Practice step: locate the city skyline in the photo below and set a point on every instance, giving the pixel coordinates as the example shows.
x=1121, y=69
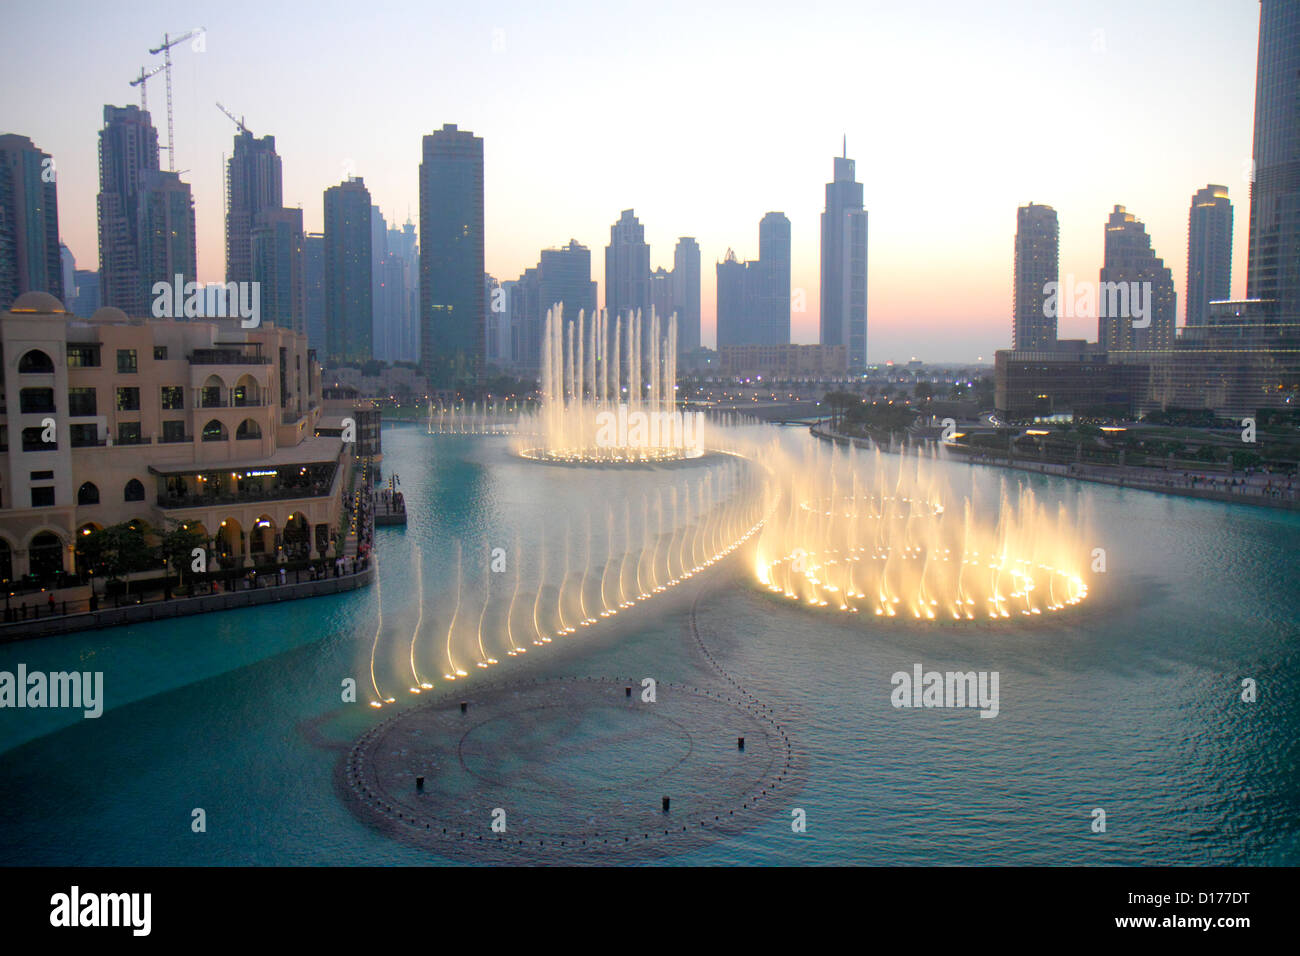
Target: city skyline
x=534, y=196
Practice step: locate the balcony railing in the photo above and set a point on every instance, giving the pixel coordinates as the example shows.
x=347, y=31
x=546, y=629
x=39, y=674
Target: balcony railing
x=174, y=439
x=232, y=403
x=227, y=357
x=320, y=490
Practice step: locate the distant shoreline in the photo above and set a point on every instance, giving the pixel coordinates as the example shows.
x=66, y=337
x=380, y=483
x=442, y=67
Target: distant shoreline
x=1160, y=482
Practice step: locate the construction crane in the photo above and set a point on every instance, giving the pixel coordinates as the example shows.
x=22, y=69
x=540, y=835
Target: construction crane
x=140, y=82
x=238, y=122
x=166, y=50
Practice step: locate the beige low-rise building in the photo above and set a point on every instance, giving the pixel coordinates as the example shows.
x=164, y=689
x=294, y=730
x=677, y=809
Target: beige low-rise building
x=200, y=422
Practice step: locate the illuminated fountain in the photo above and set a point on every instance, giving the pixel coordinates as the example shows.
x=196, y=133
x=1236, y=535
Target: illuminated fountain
x=591, y=568
x=609, y=392
x=496, y=417
x=889, y=539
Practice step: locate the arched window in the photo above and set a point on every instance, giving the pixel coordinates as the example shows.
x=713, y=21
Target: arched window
x=214, y=431
x=36, y=362
x=134, y=491
x=6, y=561
x=88, y=494
x=247, y=429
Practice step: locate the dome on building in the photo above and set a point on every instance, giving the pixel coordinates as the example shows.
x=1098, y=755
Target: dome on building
x=38, y=303
x=110, y=316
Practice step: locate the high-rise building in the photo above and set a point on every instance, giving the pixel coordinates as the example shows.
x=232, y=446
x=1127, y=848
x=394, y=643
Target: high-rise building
x=67, y=270
x=30, y=258
x=313, y=269
x=1136, y=304
x=773, y=304
x=128, y=149
x=1209, y=252
x=661, y=292
x=349, y=309
x=381, y=322
x=524, y=306
x=731, y=275
x=1038, y=263
x=278, y=255
x=451, y=258
x=254, y=184
x=168, y=239
x=498, y=351
x=627, y=268
x=402, y=291
x=844, y=264
x=754, y=296
x=562, y=276
x=686, y=293
x=86, y=300
x=1273, y=262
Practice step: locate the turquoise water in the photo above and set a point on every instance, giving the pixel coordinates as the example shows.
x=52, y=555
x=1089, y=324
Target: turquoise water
x=1132, y=706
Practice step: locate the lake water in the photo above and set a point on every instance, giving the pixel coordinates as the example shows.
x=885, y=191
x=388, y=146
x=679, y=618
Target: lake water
x=1132, y=705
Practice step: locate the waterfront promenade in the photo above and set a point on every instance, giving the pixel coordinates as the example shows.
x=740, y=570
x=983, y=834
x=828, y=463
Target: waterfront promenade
x=1270, y=491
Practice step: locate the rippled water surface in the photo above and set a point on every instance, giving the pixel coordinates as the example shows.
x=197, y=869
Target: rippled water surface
x=1132, y=705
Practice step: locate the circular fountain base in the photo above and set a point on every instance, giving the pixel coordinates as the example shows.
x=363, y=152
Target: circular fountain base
x=544, y=457
x=571, y=771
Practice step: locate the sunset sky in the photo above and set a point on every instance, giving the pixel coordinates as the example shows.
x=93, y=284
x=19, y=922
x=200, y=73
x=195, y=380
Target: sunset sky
x=700, y=120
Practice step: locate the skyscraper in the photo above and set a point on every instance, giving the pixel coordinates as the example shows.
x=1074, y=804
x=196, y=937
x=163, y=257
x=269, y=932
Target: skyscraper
x=661, y=292
x=168, y=239
x=773, y=305
x=402, y=289
x=381, y=323
x=498, y=349
x=29, y=222
x=1209, y=252
x=844, y=264
x=627, y=268
x=1273, y=261
x=754, y=296
x=1038, y=257
x=731, y=274
x=313, y=269
x=85, y=301
x=348, y=307
x=277, y=248
x=451, y=258
x=686, y=293
x=562, y=276
x=128, y=148
x=67, y=271
x=254, y=184
x=1136, y=305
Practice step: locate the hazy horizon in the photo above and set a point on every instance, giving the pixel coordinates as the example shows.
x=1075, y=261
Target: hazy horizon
x=701, y=121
